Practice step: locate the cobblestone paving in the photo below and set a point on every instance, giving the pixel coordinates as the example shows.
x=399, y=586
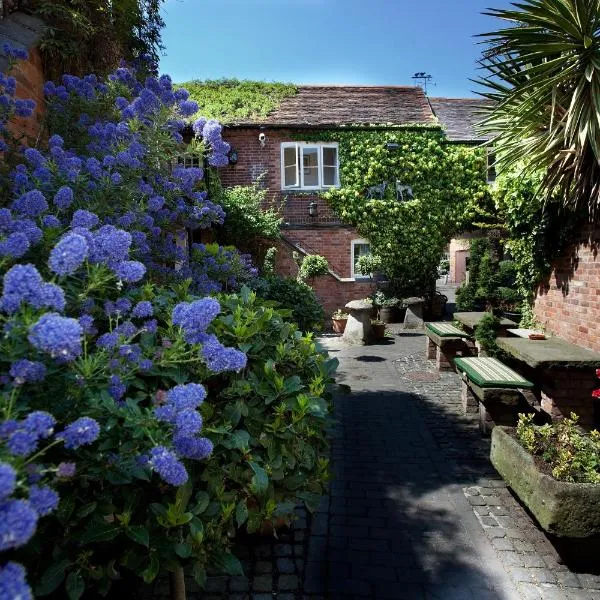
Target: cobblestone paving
x=416, y=511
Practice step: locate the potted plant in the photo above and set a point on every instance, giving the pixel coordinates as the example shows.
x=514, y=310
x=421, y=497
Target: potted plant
x=555, y=471
x=339, y=320
x=369, y=265
x=387, y=305
x=378, y=329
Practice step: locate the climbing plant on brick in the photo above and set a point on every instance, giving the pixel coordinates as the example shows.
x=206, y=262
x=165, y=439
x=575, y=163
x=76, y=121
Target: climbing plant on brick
x=448, y=184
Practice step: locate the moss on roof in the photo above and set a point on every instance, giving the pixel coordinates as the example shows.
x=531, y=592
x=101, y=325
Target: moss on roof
x=233, y=101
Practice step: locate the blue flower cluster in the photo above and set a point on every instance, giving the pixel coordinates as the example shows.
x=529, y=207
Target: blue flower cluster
x=12, y=582
x=180, y=411
x=195, y=317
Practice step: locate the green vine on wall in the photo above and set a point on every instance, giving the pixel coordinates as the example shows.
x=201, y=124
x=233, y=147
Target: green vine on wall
x=536, y=232
x=232, y=100
x=449, y=187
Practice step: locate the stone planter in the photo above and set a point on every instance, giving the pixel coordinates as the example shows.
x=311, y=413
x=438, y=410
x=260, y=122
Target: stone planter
x=339, y=325
x=570, y=510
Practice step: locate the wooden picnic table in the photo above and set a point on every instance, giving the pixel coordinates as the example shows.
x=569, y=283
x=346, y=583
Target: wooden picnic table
x=551, y=352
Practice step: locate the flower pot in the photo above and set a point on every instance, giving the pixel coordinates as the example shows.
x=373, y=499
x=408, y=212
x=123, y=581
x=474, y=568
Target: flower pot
x=387, y=314
x=339, y=325
x=570, y=510
x=378, y=331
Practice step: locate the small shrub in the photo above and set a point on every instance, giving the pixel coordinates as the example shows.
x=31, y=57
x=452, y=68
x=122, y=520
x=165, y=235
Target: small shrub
x=313, y=266
x=339, y=314
x=296, y=296
x=246, y=220
x=368, y=264
x=571, y=454
x=486, y=333
x=269, y=261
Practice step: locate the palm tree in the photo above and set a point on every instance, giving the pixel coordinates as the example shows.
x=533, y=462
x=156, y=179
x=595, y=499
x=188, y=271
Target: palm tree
x=543, y=78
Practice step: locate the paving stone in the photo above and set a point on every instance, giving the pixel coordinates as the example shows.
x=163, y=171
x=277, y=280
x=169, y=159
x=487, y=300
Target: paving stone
x=520, y=574
x=262, y=583
x=503, y=543
x=532, y=560
x=529, y=591
x=568, y=579
x=285, y=565
x=239, y=584
x=287, y=582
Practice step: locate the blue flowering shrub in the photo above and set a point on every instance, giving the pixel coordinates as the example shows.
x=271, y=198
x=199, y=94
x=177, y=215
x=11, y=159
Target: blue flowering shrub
x=143, y=421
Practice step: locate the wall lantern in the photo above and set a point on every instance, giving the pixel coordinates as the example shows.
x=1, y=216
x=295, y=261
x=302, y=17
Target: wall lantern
x=392, y=146
x=313, y=209
x=233, y=157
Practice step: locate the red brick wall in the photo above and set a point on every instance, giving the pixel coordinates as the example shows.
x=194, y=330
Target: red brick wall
x=254, y=160
x=30, y=84
x=332, y=293
x=568, y=304
x=324, y=234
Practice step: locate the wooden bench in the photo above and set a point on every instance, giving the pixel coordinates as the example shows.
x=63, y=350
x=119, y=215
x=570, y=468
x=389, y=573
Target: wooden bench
x=444, y=342
x=493, y=390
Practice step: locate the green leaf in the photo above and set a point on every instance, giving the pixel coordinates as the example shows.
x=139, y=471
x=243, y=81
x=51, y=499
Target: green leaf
x=240, y=439
x=293, y=385
x=138, y=534
x=52, y=577
x=202, y=501
x=260, y=480
x=100, y=532
x=587, y=41
x=241, y=513
x=75, y=586
x=184, y=550
x=197, y=530
x=230, y=564
x=149, y=575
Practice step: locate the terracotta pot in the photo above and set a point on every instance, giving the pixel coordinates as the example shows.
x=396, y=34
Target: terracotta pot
x=339, y=325
x=379, y=331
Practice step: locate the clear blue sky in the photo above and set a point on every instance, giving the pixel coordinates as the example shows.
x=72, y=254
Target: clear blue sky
x=327, y=41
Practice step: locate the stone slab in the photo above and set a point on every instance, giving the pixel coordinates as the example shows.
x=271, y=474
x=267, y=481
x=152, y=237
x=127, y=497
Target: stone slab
x=553, y=352
x=472, y=319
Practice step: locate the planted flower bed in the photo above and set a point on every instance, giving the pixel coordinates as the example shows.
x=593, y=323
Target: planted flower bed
x=143, y=422
x=555, y=471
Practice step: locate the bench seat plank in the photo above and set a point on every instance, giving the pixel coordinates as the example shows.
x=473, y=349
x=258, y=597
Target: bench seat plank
x=489, y=372
x=446, y=330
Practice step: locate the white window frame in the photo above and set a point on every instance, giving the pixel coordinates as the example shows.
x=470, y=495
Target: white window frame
x=299, y=147
x=354, y=243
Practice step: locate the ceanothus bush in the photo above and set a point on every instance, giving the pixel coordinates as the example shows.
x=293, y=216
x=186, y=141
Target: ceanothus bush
x=102, y=353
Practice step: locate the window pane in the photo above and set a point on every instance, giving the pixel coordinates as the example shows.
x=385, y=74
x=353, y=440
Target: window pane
x=329, y=175
x=330, y=157
x=310, y=166
x=290, y=159
x=360, y=250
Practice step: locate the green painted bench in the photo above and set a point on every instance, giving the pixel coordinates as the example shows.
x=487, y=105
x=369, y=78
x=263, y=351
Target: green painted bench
x=444, y=342
x=495, y=391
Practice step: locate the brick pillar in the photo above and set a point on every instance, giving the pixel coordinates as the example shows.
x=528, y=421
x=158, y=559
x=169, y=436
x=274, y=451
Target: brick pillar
x=470, y=404
x=430, y=349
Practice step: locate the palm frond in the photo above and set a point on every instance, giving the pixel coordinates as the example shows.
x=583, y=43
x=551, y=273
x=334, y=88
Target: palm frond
x=543, y=78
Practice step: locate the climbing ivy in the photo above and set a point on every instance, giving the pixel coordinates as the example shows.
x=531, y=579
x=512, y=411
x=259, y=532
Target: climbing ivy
x=535, y=231
x=449, y=187
x=232, y=100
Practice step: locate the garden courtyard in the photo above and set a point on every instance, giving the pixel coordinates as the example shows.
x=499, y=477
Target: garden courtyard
x=415, y=510
x=226, y=369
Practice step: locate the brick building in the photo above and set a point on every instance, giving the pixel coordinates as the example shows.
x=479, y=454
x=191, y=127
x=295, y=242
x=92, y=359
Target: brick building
x=295, y=172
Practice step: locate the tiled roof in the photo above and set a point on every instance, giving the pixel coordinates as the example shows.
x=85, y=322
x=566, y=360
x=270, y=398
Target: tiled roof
x=458, y=116
x=320, y=106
